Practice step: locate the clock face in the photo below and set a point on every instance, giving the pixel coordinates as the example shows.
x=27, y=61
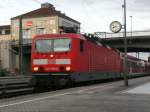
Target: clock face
x=115, y=26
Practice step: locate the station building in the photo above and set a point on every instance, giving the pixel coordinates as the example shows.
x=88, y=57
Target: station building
x=41, y=21
x=45, y=20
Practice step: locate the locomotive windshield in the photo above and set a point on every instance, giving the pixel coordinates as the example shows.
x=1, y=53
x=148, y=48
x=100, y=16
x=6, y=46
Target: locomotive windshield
x=52, y=45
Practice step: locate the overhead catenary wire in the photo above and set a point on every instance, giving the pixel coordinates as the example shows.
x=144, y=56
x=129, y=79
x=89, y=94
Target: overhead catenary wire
x=85, y=7
x=87, y=26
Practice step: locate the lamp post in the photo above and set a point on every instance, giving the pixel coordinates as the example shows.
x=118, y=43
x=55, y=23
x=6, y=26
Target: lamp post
x=125, y=47
x=20, y=46
x=116, y=27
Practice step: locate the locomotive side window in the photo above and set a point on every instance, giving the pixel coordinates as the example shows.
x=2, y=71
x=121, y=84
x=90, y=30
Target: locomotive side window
x=81, y=45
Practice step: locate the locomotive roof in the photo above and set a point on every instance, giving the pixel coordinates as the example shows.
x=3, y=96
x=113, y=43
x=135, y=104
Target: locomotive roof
x=70, y=35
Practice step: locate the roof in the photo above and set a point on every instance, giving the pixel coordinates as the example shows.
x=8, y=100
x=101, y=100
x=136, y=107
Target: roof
x=44, y=12
x=5, y=27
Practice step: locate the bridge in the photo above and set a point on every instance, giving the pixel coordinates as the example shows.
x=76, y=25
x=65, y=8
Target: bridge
x=137, y=41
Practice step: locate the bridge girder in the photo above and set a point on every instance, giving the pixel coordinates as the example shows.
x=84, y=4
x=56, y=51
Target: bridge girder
x=134, y=44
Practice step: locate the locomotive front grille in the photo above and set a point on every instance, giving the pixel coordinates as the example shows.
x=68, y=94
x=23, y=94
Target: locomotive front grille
x=51, y=61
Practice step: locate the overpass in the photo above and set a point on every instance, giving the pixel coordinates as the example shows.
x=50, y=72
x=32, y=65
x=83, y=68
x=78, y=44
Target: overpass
x=137, y=41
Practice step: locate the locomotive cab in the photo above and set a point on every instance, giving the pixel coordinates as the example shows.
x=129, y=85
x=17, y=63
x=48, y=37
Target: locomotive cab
x=53, y=57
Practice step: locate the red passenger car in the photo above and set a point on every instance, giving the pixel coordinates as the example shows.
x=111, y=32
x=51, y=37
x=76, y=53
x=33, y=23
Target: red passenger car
x=59, y=59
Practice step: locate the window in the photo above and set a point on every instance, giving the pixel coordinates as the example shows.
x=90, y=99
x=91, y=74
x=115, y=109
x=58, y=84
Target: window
x=67, y=24
x=7, y=31
x=26, y=33
x=52, y=22
x=81, y=45
x=3, y=32
x=41, y=31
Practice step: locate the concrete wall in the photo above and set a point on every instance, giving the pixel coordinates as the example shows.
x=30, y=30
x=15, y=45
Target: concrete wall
x=5, y=55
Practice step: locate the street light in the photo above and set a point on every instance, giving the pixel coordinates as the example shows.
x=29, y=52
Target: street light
x=20, y=47
x=125, y=47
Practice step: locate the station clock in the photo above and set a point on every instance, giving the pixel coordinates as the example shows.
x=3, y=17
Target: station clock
x=115, y=26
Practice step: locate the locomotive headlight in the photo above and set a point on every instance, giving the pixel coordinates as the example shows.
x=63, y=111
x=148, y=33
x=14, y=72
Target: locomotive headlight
x=35, y=68
x=51, y=55
x=68, y=68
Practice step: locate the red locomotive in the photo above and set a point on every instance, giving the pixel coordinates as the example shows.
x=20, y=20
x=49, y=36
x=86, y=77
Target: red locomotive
x=59, y=59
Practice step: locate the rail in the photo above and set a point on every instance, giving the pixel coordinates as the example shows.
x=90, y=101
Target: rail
x=120, y=34
x=24, y=42
x=14, y=85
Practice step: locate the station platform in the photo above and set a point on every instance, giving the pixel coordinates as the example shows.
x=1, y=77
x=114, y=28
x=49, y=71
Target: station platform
x=103, y=97
x=142, y=89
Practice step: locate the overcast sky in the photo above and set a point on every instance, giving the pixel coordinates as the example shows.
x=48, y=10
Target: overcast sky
x=94, y=15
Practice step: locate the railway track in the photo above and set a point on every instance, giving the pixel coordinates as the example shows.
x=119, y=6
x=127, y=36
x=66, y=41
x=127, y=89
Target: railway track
x=14, y=86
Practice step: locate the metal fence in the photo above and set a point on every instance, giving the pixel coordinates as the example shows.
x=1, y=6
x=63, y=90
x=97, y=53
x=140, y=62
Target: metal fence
x=24, y=42
x=120, y=34
x=14, y=85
